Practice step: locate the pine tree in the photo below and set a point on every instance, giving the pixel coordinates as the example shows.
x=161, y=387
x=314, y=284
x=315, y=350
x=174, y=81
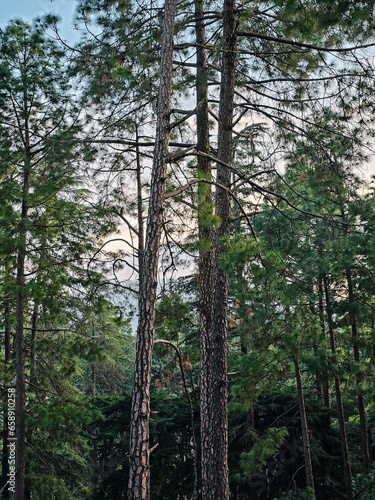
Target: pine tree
x=139, y=475
x=37, y=163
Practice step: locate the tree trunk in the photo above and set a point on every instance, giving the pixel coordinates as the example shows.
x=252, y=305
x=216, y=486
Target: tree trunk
x=34, y=326
x=205, y=229
x=319, y=384
x=304, y=427
x=218, y=488
x=139, y=459
x=141, y=244
x=361, y=401
x=20, y=345
x=339, y=403
x=326, y=383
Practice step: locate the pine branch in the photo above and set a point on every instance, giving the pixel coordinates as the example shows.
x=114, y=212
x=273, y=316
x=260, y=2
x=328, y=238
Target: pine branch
x=251, y=34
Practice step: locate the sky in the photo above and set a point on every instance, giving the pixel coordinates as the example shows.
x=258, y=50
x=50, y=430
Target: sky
x=27, y=10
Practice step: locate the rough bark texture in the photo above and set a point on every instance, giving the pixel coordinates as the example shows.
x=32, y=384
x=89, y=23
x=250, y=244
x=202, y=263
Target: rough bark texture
x=339, y=402
x=361, y=401
x=218, y=488
x=139, y=459
x=205, y=230
x=304, y=427
x=141, y=243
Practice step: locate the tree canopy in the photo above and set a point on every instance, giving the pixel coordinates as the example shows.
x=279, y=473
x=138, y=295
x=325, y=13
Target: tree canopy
x=187, y=252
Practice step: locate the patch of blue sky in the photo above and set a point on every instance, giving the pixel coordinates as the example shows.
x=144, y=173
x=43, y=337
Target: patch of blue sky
x=27, y=10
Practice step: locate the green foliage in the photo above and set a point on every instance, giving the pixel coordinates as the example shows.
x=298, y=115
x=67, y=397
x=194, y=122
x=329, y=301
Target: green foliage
x=365, y=486
x=262, y=451
x=58, y=449
x=306, y=494
x=302, y=114
x=172, y=471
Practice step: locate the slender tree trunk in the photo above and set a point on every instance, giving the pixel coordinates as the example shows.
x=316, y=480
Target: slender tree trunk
x=20, y=345
x=218, y=468
x=326, y=383
x=361, y=401
x=339, y=402
x=93, y=366
x=20, y=303
x=139, y=459
x=205, y=229
x=250, y=416
x=304, y=427
x=357, y=359
x=141, y=243
x=319, y=383
x=7, y=333
x=5, y=464
x=34, y=326
x=35, y=315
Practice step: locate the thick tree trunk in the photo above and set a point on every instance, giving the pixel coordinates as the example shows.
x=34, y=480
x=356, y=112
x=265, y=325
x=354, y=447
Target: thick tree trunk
x=5, y=464
x=139, y=459
x=218, y=468
x=304, y=427
x=205, y=229
x=339, y=402
x=361, y=401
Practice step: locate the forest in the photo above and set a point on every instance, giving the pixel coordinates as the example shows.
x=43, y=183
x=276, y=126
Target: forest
x=187, y=252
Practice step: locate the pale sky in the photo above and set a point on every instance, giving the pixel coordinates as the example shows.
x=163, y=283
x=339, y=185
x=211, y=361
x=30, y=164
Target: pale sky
x=27, y=10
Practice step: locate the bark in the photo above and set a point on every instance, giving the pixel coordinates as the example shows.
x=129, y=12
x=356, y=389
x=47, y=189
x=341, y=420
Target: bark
x=141, y=243
x=93, y=367
x=205, y=231
x=361, y=401
x=250, y=416
x=357, y=359
x=5, y=464
x=326, y=383
x=339, y=402
x=20, y=301
x=218, y=468
x=139, y=455
x=304, y=427
x=319, y=384
x=34, y=326
x=7, y=332
x=20, y=345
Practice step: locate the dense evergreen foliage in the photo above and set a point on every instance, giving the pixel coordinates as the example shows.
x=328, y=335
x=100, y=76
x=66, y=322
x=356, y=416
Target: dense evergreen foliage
x=203, y=178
